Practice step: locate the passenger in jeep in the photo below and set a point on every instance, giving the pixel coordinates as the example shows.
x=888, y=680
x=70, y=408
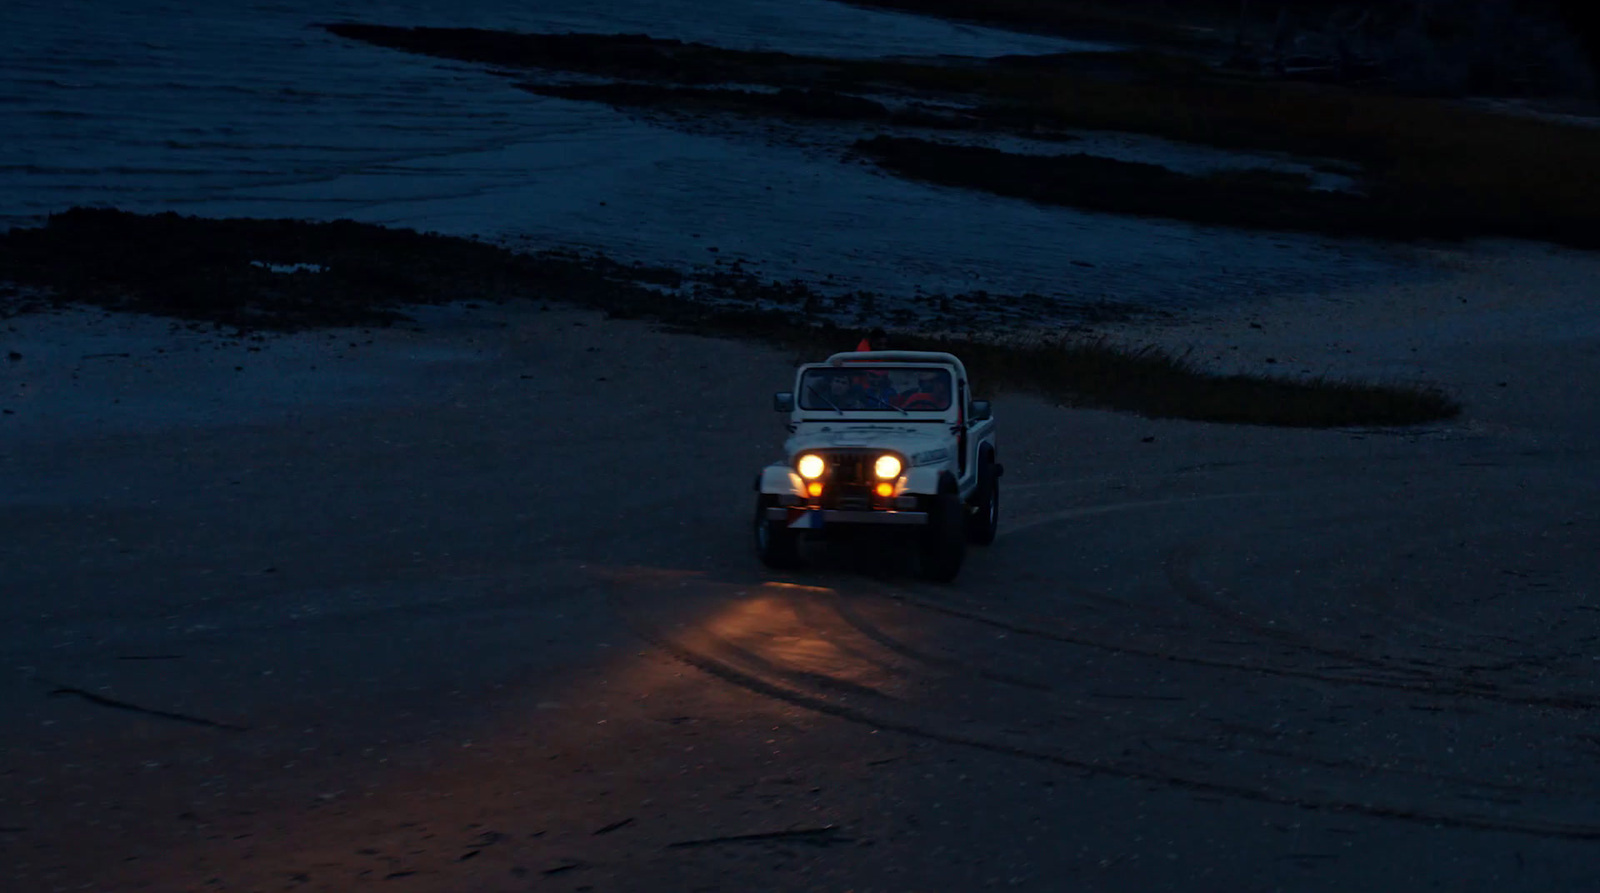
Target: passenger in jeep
x=872, y=386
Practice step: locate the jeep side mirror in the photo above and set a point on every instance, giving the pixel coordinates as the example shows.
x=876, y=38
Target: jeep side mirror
x=783, y=401
x=981, y=410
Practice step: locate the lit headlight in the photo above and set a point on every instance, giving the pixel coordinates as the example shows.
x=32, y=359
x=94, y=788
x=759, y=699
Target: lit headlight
x=811, y=466
x=887, y=467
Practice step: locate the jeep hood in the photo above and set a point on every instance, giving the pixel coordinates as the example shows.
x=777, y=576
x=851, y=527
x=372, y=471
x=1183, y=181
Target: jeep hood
x=886, y=436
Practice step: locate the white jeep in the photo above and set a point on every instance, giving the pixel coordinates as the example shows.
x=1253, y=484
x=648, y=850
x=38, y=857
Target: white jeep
x=887, y=438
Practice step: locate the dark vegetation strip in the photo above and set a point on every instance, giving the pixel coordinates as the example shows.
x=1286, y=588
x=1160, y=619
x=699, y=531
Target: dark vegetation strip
x=1455, y=171
x=641, y=58
x=811, y=104
x=1198, y=24
x=694, y=76
x=208, y=270
x=1253, y=198
x=627, y=56
x=1112, y=21
x=815, y=104
x=1430, y=168
x=821, y=104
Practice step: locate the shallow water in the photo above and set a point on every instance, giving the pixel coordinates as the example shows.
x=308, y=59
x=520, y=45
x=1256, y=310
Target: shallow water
x=240, y=108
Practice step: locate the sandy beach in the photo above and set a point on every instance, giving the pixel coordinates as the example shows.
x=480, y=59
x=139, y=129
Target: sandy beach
x=471, y=605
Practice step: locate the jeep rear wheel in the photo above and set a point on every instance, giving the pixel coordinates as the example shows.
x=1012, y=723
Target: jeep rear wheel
x=777, y=545
x=944, y=542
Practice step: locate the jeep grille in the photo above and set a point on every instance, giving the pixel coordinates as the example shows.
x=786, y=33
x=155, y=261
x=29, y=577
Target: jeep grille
x=847, y=484
x=850, y=467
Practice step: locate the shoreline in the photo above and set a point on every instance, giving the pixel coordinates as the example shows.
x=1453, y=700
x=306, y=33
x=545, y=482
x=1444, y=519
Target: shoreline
x=281, y=275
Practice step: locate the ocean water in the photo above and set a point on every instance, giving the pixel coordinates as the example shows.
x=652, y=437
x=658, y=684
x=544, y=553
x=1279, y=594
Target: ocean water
x=247, y=108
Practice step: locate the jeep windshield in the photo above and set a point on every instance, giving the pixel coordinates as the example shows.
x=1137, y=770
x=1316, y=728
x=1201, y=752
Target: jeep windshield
x=898, y=389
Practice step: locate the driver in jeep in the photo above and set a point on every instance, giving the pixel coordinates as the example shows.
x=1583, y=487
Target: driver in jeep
x=856, y=390
x=931, y=393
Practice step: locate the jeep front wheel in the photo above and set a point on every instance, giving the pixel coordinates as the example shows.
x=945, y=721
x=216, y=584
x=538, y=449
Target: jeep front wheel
x=777, y=545
x=944, y=541
x=983, y=519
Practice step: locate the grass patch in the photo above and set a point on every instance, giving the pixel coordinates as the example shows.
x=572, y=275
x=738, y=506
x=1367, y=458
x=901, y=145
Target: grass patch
x=1096, y=373
x=209, y=271
x=1160, y=384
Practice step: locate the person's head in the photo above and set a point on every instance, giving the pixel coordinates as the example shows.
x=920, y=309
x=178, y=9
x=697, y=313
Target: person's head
x=879, y=339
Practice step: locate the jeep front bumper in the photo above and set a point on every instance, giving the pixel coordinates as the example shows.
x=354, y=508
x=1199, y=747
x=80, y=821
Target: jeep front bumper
x=801, y=518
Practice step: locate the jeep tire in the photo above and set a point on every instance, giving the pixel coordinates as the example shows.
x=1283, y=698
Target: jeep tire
x=777, y=545
x=944, y=541
x=983, y=518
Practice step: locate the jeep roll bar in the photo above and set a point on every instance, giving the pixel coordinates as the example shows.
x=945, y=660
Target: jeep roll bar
x=899, y=356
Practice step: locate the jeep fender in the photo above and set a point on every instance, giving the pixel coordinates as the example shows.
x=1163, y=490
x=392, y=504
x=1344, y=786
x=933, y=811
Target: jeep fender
x=988, y=455
x=780, y=480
